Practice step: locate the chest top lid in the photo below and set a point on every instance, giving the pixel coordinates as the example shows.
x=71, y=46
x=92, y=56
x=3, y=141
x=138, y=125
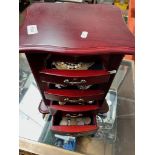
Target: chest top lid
x=75, y=29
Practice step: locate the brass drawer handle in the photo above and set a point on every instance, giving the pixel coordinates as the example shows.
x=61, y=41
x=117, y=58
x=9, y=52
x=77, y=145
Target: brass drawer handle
x=73, y=101
x=66, y=81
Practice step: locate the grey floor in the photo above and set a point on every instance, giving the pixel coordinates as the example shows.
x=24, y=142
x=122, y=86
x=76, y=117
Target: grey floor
x=125, y=144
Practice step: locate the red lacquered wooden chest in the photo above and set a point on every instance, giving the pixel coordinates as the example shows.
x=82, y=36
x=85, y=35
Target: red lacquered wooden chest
x=74, y=51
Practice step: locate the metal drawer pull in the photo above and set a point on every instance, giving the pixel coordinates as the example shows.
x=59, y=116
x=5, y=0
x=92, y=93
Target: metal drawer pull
x=73, y=115
x=66, y=81
x=73, y=101
x=112, y=72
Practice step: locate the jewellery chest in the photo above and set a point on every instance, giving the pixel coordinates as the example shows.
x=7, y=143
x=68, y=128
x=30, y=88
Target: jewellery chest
x=74, y=51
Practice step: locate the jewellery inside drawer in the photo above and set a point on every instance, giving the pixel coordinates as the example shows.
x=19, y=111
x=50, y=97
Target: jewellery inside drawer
x=60, y=62
x=74, y=123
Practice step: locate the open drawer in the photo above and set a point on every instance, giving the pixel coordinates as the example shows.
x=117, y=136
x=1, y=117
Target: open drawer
x=74, y=123
x=73, y=96
x=74, y=77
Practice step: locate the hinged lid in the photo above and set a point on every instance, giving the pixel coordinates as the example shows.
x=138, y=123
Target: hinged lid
x=70, y=28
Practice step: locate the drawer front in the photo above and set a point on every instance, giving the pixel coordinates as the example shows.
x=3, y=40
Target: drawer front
x=73, y=96
x=77, y=130
x=74, y=107
x=57, y=127
x=74, y=77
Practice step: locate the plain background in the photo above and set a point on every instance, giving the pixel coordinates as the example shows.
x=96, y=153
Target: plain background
x=144, y=72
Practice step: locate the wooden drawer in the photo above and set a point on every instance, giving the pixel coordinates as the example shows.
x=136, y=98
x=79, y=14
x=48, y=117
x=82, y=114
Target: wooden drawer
x=74, y=77
x=54, y=106
x=73, y=96
x=74, y=129
x=69, y=107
